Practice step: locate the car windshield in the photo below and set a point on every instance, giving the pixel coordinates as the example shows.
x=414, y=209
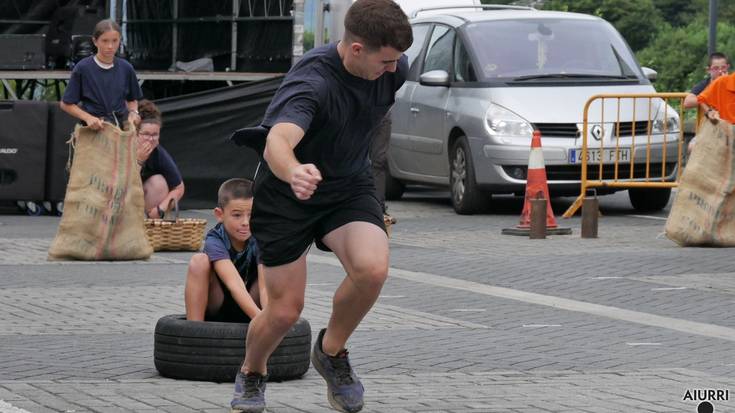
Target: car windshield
x=538, y=49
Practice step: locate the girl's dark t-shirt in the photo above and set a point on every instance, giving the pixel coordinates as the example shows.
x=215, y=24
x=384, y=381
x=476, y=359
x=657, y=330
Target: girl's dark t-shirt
x=337, y=111
x=161, y=162
x=103, y=92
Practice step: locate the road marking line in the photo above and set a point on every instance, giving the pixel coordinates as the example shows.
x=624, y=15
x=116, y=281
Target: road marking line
x=9, y=408
x=606, y=278
x=648, y=217
x=643, y=344
x=540, y=325
x=676, y=324
x=668, y=288
x=468, y=310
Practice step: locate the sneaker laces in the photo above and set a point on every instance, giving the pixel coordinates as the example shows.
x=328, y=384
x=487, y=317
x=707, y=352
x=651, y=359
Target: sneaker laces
x=252, y=385
x=342, y=369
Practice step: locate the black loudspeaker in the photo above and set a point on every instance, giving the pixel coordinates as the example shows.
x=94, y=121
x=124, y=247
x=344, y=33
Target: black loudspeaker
x=22, y=51
x=60, y=127
x=82, y=46
x=23, y=150
x=65, y=23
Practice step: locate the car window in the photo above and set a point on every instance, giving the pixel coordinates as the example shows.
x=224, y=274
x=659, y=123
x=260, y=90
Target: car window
x=419, y=36
x=543, y=47
x=439, y=51
x=463, y=70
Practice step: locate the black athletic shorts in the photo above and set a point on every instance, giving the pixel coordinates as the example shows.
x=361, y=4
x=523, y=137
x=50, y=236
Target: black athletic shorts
x=285, y=227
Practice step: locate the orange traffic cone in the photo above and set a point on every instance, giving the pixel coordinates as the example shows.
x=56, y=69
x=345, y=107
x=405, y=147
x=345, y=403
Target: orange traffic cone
x=536, y=187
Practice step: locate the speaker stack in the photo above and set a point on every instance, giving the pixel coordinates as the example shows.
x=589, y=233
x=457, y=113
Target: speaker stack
x=23, y=138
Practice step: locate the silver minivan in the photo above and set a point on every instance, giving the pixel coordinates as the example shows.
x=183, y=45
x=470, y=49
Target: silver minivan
x=480, y=82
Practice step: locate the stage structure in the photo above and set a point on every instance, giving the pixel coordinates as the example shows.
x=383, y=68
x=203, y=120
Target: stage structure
x=213, y=43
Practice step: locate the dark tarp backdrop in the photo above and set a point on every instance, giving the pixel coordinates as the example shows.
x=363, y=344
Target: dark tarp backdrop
x=196, y=128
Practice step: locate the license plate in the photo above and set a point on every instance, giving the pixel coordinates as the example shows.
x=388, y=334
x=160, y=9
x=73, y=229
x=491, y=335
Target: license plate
x=594, y=156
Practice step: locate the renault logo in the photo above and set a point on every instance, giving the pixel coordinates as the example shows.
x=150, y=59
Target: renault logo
x=596, y=132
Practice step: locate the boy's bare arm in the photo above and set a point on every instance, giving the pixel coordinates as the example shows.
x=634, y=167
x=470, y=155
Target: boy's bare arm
x=690, y=101
x=227, y=272
x=282, y=139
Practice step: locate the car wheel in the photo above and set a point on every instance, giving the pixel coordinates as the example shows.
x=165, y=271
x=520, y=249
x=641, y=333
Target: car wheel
x=466, y=198
x=214, y=351
x=393, y=188
x=649, y=199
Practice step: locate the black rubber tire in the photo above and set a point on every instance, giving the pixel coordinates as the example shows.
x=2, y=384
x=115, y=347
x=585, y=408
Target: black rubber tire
x=649, y=199
x=393, y=188
x=467, y=199
x=213, y=351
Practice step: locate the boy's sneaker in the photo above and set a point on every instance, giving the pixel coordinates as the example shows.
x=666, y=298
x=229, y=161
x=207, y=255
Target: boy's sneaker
x=344, y=389
x=249, y=394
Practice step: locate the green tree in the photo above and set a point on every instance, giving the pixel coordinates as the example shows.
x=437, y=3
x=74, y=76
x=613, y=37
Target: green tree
x=679, y=12
x=679, y=54
x=636, y=20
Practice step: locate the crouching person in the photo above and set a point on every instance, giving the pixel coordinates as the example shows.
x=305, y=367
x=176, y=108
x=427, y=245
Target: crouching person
x=224, y=282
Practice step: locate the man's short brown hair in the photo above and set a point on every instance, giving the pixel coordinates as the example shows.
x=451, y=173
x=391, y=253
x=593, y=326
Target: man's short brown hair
x=378, y=23
x=235, y=188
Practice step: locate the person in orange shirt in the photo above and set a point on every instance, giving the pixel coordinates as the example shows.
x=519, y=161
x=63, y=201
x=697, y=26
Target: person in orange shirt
x=718, y=100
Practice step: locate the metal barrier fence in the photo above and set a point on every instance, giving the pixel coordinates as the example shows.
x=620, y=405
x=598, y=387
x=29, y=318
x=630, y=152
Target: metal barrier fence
x=618, y=160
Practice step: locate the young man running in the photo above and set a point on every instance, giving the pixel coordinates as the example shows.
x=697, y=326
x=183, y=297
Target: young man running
x=318, y=187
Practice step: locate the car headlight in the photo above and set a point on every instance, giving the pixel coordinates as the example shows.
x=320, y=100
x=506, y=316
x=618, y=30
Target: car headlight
x=670, y=124
x=502, y=122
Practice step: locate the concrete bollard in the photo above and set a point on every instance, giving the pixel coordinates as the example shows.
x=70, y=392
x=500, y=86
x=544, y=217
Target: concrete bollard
x=590, y=214
x=538, y=219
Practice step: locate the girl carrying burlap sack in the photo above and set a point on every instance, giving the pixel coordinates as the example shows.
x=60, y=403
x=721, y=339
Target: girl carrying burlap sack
x=103, y=207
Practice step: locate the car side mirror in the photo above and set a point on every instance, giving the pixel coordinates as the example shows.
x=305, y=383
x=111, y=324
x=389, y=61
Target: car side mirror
x=434, y=78
x=649, y=73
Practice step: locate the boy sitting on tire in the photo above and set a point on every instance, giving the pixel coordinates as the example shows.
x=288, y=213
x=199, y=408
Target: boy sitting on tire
x=223, y=283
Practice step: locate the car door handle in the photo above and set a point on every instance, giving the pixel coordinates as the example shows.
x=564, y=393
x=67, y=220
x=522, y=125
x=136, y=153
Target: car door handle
x=415, y=110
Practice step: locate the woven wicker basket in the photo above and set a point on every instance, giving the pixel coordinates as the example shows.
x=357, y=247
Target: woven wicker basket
x=183, y=234
x=179, y=234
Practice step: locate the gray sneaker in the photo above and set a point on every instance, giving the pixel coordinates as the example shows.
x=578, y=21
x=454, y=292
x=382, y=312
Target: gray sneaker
x=249, y=394
x=344, y=389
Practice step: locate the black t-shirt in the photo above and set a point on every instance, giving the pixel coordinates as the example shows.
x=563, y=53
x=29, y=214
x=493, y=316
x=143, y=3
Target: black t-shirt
x=699, y=87
x=161, y=162
x=337, y=110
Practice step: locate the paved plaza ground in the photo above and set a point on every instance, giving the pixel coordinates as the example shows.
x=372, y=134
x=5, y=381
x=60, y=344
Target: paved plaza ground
x=469, y=321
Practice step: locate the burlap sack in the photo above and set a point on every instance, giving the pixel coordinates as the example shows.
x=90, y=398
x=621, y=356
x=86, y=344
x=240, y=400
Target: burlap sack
x=104, y=207
x=702, y=213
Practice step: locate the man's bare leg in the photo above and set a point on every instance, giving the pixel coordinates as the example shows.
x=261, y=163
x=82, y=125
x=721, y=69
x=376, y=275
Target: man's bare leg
x=363, y=250
x=285, y=285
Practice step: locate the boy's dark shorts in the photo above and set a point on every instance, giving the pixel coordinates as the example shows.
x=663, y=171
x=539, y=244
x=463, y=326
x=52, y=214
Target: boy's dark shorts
x=230, y=311
x=285, y=227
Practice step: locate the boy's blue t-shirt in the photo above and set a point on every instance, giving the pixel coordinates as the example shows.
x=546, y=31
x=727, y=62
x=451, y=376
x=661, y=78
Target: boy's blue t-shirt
x=103, y=92
x=217, y=246
x=161, y=162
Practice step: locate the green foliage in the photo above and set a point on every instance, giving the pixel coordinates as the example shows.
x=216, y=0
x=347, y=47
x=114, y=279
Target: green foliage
x=679, y=54
x=679, y=12
x=636, y=20
x=308, y=40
